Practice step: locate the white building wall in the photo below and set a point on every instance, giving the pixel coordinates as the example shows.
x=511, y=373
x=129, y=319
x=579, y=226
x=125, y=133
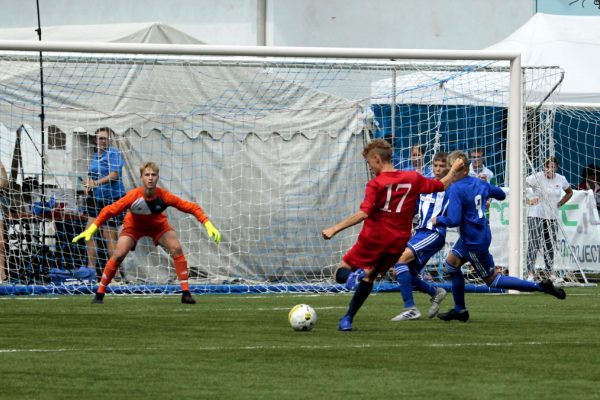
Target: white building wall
x=442, y=24
x=212, y=21
x=436, y=24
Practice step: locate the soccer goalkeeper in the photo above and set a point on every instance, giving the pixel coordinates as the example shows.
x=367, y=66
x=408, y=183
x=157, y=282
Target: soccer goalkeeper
x=146, y=218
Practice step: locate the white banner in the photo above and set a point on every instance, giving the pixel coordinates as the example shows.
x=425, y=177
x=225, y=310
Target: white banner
x=578, y=233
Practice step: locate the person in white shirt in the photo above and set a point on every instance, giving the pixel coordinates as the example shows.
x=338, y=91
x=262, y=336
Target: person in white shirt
x=477, y=167
x=545, y=197
x=589, y=181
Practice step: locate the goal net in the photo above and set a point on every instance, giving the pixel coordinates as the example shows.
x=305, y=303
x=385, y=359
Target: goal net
x=445, y=108
x=562, y=146
x=270, y=147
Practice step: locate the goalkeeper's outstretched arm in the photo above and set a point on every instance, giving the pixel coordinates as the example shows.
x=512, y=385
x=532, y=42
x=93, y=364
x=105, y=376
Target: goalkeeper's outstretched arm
x=106, y=213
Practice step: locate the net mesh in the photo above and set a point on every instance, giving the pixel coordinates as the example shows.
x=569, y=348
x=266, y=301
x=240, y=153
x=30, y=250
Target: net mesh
x=269, y=147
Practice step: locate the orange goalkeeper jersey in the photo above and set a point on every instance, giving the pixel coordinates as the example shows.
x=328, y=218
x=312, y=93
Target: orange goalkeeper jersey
x=147, y=213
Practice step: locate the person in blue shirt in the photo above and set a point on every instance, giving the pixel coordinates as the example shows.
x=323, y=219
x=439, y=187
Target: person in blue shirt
x=103, y=186
x=416, y=161
x=465, y=208
x=424, y=244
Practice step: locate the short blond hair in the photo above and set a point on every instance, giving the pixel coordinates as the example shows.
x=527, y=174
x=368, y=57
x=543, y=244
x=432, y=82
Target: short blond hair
x=455, y=155
x=149, y=165
x=380, y=147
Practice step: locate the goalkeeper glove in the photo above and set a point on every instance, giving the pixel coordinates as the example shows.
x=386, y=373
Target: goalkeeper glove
x=87, y=234
x=212, y=231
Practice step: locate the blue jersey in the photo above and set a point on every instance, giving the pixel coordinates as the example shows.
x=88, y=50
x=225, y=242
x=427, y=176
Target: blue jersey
x=103, y=164
x=407, y=165
x=431, y=205
x=465, y=208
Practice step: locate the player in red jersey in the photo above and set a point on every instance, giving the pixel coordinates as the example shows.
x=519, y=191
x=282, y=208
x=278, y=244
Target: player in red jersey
x=387, y=211
x=146, y=218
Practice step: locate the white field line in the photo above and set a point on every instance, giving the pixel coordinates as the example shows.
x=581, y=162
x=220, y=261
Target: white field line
x=293, y=347
x=27, y=298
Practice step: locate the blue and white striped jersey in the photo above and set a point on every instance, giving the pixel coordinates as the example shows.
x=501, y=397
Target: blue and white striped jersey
x=431, y=205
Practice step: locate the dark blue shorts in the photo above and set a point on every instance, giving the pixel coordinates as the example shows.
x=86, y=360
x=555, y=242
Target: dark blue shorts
x=93, y=207
x=424, y=244
x=482, y=261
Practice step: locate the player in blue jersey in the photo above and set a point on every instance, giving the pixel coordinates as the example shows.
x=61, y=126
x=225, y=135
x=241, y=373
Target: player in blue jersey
x=424, y=244
x=465, y=209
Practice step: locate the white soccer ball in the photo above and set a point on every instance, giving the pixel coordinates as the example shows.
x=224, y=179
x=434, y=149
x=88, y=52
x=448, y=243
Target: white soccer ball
x=302, y=317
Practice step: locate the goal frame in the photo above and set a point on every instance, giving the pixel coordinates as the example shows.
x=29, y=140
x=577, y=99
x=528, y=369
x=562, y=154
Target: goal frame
x=514, y=112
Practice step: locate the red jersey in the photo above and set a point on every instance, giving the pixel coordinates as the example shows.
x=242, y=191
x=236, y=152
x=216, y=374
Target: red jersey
x=390, y=202
x=147, y=213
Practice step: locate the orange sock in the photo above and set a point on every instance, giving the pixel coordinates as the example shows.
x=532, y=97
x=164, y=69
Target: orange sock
x=182, y=271
x=107, y=275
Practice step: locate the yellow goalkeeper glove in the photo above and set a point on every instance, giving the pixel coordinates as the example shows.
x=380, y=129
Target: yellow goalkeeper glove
x=212, y=232
x=87, y=234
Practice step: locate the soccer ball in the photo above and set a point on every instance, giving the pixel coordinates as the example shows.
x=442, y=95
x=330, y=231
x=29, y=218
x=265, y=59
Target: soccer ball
x=302, y=317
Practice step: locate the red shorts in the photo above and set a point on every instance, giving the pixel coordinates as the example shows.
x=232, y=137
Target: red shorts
x=153, y=231
x=369, y=255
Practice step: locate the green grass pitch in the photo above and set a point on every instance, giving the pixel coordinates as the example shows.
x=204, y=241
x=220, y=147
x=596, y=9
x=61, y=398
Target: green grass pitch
x=241, y=347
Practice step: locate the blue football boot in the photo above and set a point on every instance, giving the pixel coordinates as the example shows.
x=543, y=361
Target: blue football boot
x=345, y=324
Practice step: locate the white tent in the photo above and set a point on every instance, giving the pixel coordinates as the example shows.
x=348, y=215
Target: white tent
x=145, y=32
x=570, y=42
x=242, y=140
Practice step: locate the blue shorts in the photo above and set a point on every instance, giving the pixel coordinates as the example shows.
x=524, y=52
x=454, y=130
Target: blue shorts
x=424, y=244
x=94, y=206
x=482, y=261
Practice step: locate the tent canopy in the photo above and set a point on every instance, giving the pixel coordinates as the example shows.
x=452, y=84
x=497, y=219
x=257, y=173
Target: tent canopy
x=143, y=32
x=570, y=42
x=202, y=97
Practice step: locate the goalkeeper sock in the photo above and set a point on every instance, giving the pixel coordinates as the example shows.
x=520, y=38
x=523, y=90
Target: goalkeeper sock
x=404, y=279
x=107, y=275
x=360, y=295
x=342, y=274
x=458, y=286
x=182, y=271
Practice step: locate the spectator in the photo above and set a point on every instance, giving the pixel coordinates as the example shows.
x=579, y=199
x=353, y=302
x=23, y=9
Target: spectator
x=544, y=199
x=417, y=161
x=478, y=168
x=589, y=181
x=103, y=186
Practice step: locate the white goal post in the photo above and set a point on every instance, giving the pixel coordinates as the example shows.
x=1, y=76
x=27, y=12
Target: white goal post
x=510, y=61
